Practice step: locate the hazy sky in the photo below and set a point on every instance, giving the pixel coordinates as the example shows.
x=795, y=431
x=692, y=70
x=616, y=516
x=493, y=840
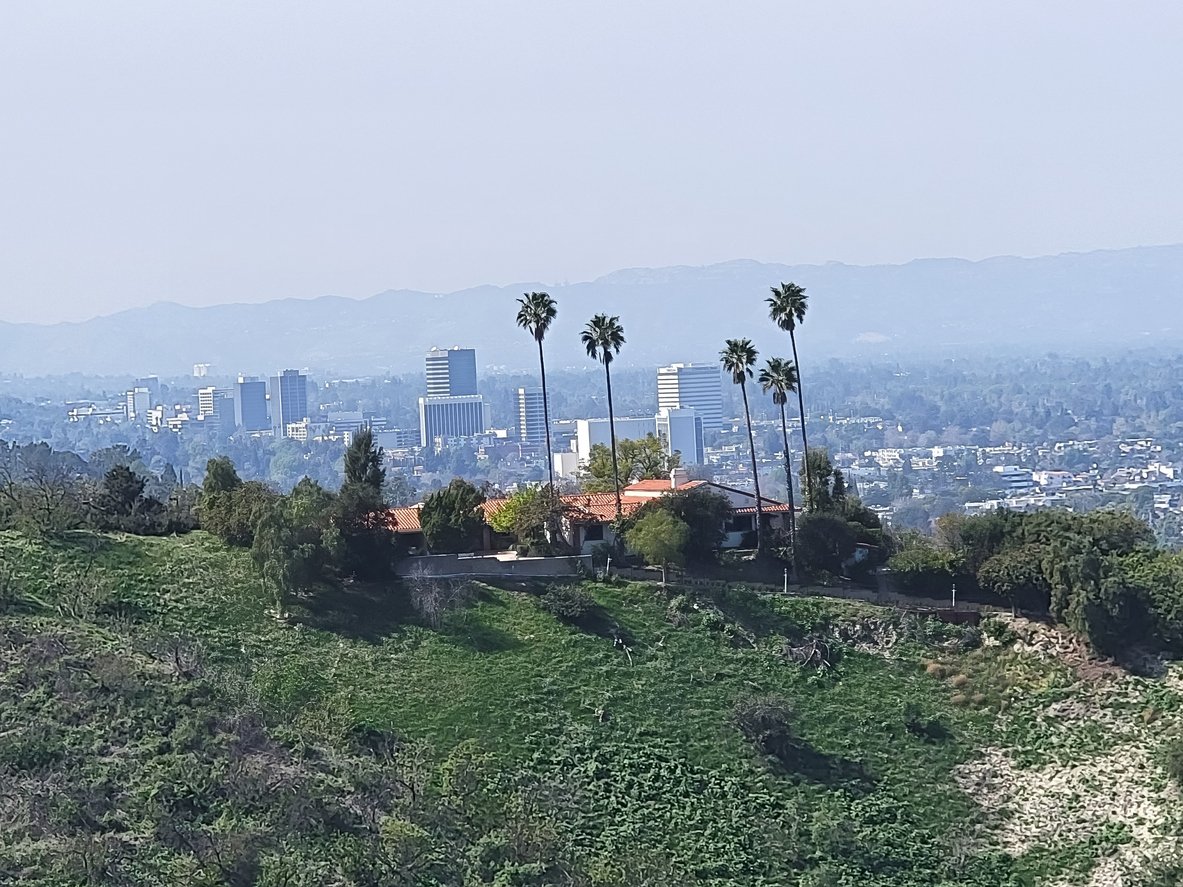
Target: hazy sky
x=208, y=152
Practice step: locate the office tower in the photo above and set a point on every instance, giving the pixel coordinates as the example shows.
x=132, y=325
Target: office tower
x=250, y=404
x=289, y=400
x=695, y=386
x=531, y=416
x=681, y=432
x=446, y=417
x=139, y=402
x=151, y=384
x=201, y=370
x=216, y=406
x=451, y=372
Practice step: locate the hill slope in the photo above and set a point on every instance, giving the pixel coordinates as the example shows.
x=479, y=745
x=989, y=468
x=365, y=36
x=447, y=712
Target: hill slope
x=1066, y=302
x=159, y=728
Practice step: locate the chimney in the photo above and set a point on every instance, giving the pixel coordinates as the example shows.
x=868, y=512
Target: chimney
x=678, y=477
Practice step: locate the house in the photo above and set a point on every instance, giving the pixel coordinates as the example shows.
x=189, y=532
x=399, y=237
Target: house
x=588, y=517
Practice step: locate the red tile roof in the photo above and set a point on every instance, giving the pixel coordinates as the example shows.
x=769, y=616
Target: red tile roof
x=584, y=508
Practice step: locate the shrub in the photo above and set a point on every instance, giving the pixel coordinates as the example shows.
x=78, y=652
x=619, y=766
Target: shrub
x=1173, y=760
x=767, y=722
x=960, y=681
x=568, y=604
x=917, y=724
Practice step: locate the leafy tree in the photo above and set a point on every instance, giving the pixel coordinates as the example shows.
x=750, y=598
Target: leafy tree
x=220, y=476
x=738, y=357
x=289, y=545
x=451, y=518
x=705, y=514
x=642, y=458
x=826, y=541
x=231, y=514
x=536, y=313
x=660, y=538
x=363, y=462
x=1016, y=574
x=603, y=337
x=779, y=376
x=922, y=568
x=122, y=489
x=526, y=515
x=787, y=306
x=819, y=470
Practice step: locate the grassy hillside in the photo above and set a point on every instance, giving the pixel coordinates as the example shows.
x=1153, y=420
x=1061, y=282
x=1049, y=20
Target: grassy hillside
x=157, y=726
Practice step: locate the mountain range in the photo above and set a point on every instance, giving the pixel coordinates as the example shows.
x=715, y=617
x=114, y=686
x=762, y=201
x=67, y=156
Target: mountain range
x=1067, y=303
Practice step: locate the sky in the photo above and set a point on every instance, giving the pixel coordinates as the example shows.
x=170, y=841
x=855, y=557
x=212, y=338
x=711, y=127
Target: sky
x=219, y=152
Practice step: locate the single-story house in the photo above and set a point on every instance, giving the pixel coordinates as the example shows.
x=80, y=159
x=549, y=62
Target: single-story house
x=588, y=517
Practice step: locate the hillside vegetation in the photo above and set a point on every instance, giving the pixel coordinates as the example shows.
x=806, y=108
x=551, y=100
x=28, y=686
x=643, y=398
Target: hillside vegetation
x=157, y=726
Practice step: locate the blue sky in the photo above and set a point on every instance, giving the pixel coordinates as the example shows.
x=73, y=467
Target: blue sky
x=217, y=152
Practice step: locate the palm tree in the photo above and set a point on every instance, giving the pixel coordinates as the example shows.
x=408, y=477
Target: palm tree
x=780, y=377
x=535, y=315
x=603, y=337
x=786, y=307
x=738, y=357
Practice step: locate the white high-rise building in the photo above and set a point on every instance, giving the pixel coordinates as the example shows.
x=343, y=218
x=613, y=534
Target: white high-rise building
x=695, y=386
x=531, y=416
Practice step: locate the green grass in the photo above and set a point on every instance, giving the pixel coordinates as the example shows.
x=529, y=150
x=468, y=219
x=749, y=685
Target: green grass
x=631, y=764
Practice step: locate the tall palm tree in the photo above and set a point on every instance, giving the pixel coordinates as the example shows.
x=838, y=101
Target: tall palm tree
x=780, y=377
x=738, y=357
x=786, y=307
x=603, y=338
x=535, y=315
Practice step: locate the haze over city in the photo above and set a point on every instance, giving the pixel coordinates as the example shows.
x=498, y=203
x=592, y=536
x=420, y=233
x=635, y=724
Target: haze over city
x=591, y=444
x=211, y=153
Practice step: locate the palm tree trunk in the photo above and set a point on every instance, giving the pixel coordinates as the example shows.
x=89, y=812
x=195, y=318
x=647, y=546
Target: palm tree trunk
x=550, y=458
x=784, y=430
x=555, y=527
x=804, y=440
x=612, y=433
x=755, y=471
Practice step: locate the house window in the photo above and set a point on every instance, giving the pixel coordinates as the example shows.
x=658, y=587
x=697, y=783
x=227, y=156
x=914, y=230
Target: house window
x=740, y=523
x=594, y=533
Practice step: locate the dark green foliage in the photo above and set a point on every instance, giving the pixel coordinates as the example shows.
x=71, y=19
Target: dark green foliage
x=120, y=493
x=1095, y=573
x=363, y=462
x=925, y=570
x=220, y=476
x=364, y=544
x=1173, y=760
x=826, y=541
x=660, y=538
x=231, y=514
x=292, y=541
x=451, y=518
x=568, y=604
x=767, y=722
x=1016, y=574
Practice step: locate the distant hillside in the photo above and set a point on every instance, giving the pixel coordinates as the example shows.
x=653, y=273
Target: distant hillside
x=1066, y=302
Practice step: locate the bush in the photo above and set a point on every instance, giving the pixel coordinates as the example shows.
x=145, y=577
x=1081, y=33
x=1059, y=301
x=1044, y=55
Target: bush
x=568, y=604
x=767, y=722
x=1173, y=760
